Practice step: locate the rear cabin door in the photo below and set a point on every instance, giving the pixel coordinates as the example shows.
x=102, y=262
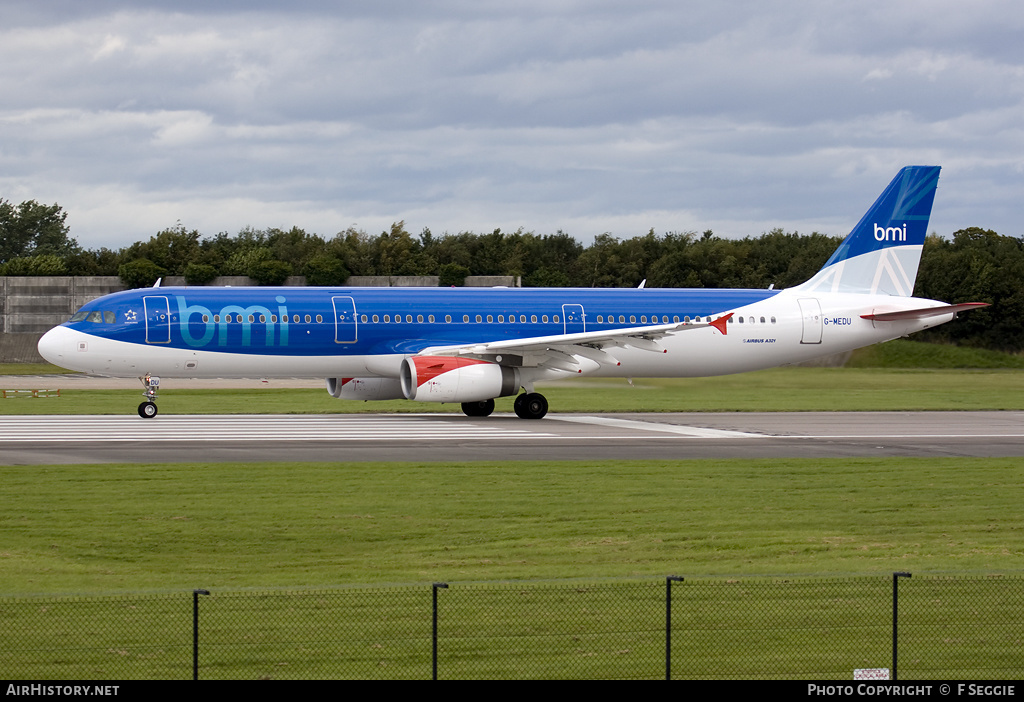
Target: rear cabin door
x=810, y=310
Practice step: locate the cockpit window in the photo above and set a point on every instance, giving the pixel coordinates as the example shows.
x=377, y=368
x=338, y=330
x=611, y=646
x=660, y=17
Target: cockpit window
x=94, y=316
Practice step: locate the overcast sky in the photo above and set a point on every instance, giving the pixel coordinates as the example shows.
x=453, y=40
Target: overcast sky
x=587, y=116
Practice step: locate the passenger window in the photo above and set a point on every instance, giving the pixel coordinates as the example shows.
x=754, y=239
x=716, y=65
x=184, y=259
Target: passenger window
x=600, y=319
x=762, y=320
x=522, y=318
x=430, y=319
x=465, y=319
x=308, y=319
x=216, y=318
x=419, y=318
x=448, y=319
x=479, y=319
x=544, y=319
x=408, y=319
x=643, y=319
x=387, y=318
x=675, y=319
x=773, y=320
x=501, y=318
x=632, y=319
x=376, y=318
x=263, y=319
x=533, y=318
x=319, y=318
x=555, y=319
x=490, y=318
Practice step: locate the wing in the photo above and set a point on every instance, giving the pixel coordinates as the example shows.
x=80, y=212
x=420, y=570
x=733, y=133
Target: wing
x=563, y=351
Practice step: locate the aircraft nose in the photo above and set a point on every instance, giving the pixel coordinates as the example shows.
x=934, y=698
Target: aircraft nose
x=55, y=345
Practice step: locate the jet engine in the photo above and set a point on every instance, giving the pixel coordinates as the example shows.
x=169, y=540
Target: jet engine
x=365, y=388
x=454, y=379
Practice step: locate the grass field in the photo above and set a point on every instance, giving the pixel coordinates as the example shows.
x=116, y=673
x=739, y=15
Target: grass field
x=780, y=389
x=170, y=528
x=131, y=528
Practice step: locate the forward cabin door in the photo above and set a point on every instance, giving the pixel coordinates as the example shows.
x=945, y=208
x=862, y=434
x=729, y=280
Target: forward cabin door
x=158, y=320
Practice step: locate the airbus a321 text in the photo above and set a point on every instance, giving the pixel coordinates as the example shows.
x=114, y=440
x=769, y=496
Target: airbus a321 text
x=471, y=345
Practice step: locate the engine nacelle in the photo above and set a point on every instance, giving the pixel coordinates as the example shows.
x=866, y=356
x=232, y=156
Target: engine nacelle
x=454, y=379
x=365, y=388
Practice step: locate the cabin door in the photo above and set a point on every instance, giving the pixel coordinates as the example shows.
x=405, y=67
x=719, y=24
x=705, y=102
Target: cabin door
x=158, y=320
x=575, y=322
x=344, y=320
x=810, y=310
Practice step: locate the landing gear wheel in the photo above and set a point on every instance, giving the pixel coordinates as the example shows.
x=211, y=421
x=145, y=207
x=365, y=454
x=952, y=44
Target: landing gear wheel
x=147, y=410
x=531, y=405
x=478, y=409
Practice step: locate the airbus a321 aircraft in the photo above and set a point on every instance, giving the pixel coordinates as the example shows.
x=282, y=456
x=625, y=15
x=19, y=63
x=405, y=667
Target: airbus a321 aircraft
x=471, y=345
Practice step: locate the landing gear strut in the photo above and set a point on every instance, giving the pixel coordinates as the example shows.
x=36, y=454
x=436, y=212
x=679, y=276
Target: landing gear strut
x=531, y=405
x=478, y=409
x=147, y=410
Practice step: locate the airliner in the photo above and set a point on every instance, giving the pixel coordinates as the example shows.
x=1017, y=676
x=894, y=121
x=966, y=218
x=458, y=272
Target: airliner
x=472, y=345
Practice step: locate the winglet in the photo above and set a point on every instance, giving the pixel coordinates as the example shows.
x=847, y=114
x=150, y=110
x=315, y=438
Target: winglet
x=720, y=323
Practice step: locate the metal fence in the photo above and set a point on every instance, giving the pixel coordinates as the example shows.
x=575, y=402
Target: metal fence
x=922, y=627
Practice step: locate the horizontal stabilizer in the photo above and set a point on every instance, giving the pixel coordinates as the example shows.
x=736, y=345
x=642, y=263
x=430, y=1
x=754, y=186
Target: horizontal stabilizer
x=923, y=313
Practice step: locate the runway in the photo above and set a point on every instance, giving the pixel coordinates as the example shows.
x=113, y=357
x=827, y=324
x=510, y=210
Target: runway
x=449, y=437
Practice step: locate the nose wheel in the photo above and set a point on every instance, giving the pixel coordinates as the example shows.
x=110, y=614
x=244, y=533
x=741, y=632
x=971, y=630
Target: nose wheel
x=151, y=383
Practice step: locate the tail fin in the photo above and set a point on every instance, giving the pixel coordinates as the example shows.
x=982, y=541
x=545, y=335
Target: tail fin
x=882, y=253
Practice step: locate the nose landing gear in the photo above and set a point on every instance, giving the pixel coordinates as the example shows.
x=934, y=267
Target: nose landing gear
x=147, y=410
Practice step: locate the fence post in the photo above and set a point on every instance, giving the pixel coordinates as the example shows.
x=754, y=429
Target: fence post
x=895, y=578
x=668, y=623
x=435, y=587
x=195, y=631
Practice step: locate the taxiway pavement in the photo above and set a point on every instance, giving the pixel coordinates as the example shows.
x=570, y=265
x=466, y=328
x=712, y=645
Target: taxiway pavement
x=450, y=437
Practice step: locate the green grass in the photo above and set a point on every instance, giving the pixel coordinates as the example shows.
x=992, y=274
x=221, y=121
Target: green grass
x=780, y=389
x=252, y=533
x=224, y=525
x=33, y=369
x=903, y=353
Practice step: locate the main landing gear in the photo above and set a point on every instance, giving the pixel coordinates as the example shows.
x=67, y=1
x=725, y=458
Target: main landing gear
x=529, y=405
x=147, y=410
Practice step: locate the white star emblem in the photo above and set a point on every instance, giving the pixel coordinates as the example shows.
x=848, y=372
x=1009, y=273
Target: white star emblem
x=130, y=316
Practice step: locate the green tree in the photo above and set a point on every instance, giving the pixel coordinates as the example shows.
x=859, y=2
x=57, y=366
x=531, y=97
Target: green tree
x=32, y=229
x=140, y=273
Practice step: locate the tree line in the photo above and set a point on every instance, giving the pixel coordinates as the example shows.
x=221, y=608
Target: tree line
x=975, y=265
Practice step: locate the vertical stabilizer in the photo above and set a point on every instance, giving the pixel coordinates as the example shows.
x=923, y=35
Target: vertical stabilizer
x=882, y=253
